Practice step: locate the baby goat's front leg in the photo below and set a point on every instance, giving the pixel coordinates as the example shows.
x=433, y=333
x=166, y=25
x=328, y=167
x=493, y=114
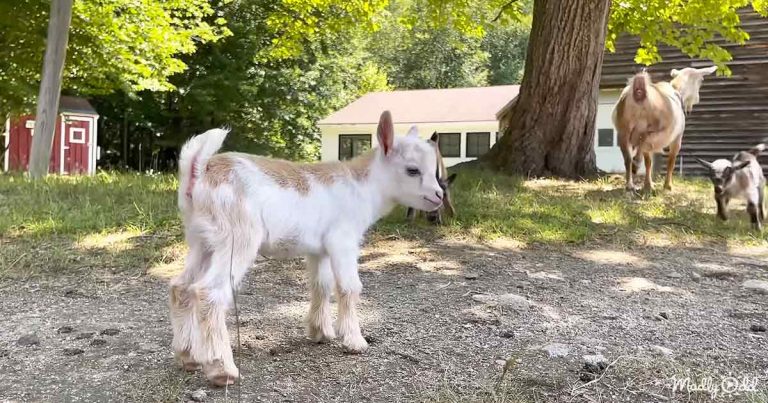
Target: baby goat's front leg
x=344, y=256
x=753, y=200
x=722, y=207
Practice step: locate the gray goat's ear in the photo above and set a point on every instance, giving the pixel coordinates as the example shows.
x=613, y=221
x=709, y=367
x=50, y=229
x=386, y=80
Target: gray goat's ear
x=706, y=164
x=451, y=178
x=741, y=165
x=435, y=137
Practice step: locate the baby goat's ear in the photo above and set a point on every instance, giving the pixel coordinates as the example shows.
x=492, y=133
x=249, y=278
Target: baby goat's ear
x=706, y=164
x=435, y=137
x=451, y=178
x=413, y=131
x=741, y=165
x=386, y=132
x=674, y=72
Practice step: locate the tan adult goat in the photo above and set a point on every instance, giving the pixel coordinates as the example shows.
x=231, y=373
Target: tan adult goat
x=651, y=116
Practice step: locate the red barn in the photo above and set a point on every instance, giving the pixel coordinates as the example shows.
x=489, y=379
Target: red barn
x=74, y=142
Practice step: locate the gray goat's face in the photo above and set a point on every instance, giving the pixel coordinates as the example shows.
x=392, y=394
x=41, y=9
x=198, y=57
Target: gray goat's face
x=721, y=172
x=434, y=216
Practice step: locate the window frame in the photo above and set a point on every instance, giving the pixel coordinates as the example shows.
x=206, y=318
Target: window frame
x=481, y=135
x=80, y=139
x=458, y=144
x=357, y=136
x=613, y=137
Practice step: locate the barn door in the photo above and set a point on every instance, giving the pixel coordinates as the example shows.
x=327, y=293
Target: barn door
x=77, y=144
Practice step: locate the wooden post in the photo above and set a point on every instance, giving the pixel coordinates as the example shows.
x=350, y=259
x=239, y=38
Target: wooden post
x=50, y=87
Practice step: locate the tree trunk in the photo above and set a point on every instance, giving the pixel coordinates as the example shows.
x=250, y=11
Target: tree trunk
x=50, y=87
x=550, y=128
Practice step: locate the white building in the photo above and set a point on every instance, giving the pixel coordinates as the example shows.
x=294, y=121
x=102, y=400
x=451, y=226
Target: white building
x=466, y=118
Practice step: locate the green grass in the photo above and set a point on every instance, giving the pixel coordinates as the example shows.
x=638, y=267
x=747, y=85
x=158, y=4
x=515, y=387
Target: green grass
x=566, y=212
x=130, y=222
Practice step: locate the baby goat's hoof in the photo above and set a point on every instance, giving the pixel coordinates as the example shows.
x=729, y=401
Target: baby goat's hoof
x=355, y=344
x=218, y=375
x=320, y=335
x=186, y=362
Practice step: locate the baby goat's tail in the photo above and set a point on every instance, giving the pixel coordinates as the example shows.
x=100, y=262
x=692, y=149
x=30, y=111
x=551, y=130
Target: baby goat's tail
x=194, y=155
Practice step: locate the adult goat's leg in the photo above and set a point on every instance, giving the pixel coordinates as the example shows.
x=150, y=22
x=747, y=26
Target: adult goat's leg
x=648, y=161
x=319, y=322
x=674, y=150
x=348, y=287
x=629, y=169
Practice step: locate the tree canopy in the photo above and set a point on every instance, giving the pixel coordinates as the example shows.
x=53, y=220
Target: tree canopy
x=272, y=69
x=114, y=44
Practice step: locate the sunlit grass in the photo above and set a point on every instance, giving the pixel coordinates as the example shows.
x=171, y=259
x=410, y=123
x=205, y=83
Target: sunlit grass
x=130, y=222
x=569, y=212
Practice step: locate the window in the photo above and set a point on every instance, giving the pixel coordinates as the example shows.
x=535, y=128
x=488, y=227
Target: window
x=352, y=145
x=478, y=143
x=77, y=135
x=605, y=137
x=450, y=145
x=31, y=126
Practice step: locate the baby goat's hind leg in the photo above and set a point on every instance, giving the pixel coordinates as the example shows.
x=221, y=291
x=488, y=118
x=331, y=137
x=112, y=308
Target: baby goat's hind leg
x=319, y=322
x=183, y=318
x=214, y=296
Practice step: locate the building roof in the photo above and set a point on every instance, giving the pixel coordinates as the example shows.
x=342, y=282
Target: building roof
x=76, y=105
x=478, y=104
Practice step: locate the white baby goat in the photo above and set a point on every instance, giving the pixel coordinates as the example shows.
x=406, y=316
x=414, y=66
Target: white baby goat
x=741, y=178
x=236, y=206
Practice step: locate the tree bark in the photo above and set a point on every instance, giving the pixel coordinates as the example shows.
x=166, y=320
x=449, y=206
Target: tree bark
x=50, y=87
x=550, y=128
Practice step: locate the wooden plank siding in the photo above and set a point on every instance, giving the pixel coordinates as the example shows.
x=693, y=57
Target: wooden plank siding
x=733, y=112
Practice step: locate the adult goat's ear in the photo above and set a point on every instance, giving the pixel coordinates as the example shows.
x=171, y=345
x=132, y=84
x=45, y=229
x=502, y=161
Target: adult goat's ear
x=706, y=164
x=435, y=137
x=385, y=133
x=451, y=178
x=707, y=70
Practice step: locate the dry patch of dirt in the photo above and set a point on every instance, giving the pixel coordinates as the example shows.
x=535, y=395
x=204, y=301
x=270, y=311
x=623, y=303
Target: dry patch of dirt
x=446, y=321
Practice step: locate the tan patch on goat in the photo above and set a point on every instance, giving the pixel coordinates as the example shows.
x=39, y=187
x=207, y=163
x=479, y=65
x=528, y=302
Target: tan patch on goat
x=292, y=175
x=218, y=170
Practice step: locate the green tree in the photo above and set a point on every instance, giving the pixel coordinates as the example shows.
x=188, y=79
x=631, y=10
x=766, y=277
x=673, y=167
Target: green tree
x=114, y=44
x=506, y=45
x=271, y=100
x=418, y=55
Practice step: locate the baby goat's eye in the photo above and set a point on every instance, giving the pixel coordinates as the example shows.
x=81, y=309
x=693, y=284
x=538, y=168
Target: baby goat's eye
x=413, y=171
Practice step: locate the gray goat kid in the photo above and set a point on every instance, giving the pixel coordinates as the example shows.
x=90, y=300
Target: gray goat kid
x=445, y=181
x=741, y=178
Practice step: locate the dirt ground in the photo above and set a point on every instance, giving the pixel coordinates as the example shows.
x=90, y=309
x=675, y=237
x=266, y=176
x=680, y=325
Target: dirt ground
x=444, y=320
